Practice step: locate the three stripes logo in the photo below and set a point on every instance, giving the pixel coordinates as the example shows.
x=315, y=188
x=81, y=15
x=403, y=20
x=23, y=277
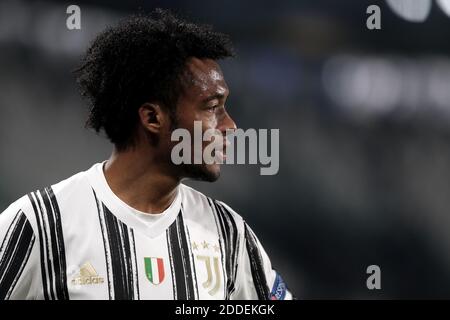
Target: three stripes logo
x=154, y=269
x=87, y=275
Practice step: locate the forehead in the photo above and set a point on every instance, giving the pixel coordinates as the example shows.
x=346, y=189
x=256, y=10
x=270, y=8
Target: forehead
x=203, y=77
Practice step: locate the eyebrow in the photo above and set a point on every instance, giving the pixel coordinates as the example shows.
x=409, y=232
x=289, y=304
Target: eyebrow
x=214, y=96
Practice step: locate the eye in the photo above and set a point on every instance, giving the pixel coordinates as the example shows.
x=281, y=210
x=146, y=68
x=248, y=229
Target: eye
x=212, y=108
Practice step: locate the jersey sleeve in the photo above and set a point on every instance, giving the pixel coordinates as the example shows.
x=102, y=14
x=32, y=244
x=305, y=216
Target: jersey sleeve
x=256, y=280
x=17, y=246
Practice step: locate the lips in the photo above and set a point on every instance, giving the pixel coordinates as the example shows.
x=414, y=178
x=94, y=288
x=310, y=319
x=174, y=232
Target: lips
x=221, y=143
x=220, y=157
x=226, y=144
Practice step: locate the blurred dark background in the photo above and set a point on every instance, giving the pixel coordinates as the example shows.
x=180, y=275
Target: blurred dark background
x=364, y=119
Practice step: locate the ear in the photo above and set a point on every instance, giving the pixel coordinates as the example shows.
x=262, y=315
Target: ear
x=152, y=117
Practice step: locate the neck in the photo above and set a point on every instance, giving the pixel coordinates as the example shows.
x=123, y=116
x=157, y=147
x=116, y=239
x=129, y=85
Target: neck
x=140, y=181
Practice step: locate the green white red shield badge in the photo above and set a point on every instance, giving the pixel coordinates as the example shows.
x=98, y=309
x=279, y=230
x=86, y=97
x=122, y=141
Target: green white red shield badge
x=154, y=269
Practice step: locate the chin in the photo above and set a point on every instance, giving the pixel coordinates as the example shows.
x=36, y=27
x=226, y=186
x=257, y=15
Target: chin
x=209, y=173
x=213, y=172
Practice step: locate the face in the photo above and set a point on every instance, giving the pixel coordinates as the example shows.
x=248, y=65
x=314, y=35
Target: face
x=204, y=97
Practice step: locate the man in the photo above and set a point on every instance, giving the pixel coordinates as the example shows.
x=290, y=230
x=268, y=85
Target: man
x=127, y=228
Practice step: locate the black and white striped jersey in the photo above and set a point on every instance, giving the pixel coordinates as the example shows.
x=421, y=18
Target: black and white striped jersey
x=78, y=240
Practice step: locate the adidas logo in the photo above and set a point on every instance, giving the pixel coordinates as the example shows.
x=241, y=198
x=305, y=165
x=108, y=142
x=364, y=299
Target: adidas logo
x=87, y=275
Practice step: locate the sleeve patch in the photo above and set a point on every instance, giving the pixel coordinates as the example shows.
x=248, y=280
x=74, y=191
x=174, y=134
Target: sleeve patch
x=279, y=289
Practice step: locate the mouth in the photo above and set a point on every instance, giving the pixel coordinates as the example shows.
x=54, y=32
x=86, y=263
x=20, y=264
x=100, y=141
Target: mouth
x=226, y=144
x=223, y=154
x=220, y=154
x=220, y=157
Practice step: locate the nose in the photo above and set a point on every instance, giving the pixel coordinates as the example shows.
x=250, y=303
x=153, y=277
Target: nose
x=227, y=123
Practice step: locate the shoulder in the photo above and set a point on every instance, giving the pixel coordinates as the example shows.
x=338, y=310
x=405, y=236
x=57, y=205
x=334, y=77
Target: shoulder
x=232, y=227
x=73, y=188
x=225, y=217
x=20, y=210
x=20, y=207
x=60, y=192
x=46, y=199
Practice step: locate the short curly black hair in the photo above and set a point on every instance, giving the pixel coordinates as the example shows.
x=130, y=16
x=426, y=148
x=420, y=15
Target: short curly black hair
x=141, y=60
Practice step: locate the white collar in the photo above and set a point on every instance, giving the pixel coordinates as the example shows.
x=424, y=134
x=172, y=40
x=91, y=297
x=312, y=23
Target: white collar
x=126, y=213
